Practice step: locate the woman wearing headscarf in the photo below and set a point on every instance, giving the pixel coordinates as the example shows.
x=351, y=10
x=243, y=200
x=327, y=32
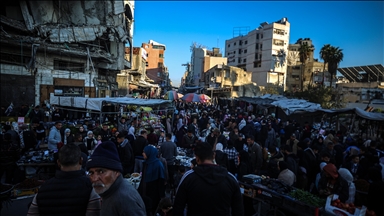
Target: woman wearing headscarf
x=346, y=174
x=286, y=175
x=90, y=141
x=68, y=137
x=152, y=185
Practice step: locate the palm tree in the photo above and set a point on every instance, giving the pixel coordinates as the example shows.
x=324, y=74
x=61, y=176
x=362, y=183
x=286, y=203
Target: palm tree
x=324, y=55
x=304, y=52
x=334, y=57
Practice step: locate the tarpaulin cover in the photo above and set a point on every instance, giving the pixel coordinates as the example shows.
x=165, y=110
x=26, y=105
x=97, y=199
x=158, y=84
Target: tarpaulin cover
x=97, y=103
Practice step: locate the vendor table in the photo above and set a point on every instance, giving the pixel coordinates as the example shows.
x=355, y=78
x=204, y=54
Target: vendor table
x=280, y=203
x=42, y=162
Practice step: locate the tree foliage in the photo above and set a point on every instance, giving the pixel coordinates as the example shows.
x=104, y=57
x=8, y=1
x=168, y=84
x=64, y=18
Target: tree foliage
x=328, y=98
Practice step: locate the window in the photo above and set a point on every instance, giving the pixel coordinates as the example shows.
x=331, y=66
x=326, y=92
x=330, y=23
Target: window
x=229, y=45
x=257, y=36
x=278, y=42
x=158, y=74
x=235, y=88
x=261, y=36
x=257, y=46
x=158, y=47
x=245, y=42
x=146, y=64
x=278, y=31
x=239, y=51
x=227, y=74
x=245, y=60
x=245, y=51
x=261, y=46
x=69, y=66
x=160, y=65
x=261, y=56
x=161, y=55
x=240, y=42
x=14, y=59
x=239, y=60
x=234, y=44
x=256, y=55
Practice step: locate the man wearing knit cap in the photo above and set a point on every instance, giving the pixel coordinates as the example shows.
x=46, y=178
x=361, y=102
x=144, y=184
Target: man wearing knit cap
x=119, y=197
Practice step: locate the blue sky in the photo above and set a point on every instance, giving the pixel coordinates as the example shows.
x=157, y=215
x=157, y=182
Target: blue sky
x=357, y=27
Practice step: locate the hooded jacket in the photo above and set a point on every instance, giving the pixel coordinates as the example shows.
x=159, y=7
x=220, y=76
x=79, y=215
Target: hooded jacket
x=54, y=138
x=208, y=190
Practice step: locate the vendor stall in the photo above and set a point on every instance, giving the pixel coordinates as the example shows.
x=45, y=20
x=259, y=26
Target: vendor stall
x=278, y=196
x=39, y=164
x=149, y=112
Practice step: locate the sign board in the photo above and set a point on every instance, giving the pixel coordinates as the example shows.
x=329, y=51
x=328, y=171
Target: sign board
x=20, y=121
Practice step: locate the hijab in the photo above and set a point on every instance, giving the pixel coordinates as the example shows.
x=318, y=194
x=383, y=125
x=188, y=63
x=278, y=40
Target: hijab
x=155, y=169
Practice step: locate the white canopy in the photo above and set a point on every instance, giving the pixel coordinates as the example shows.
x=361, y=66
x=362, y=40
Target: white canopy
x=97, y=103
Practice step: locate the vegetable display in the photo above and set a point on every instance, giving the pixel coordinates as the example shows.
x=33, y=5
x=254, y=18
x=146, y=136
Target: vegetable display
x=307, y=198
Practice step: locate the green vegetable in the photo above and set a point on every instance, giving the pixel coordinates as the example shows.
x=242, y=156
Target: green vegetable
x=307, y=198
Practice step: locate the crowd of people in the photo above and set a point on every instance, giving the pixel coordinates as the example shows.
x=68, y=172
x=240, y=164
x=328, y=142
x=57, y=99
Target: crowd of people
x=227, y=141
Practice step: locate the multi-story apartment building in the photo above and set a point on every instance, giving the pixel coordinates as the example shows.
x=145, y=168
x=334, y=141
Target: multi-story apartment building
x=68, y=48
x=229, y=81
x=262, y=51
x=201, y=61
x=135, y=79
x=156, y=69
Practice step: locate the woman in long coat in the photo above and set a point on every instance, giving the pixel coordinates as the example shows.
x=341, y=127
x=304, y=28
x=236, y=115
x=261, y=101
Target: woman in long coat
x=152, y=185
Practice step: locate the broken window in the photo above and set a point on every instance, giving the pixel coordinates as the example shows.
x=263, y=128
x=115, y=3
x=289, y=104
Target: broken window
x=68, y=66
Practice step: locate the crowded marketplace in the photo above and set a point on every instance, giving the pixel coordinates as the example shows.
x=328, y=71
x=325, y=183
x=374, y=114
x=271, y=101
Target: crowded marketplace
x=192, y=155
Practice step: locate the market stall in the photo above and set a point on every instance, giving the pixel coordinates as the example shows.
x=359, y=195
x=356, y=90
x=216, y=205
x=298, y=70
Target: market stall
x=37, y=164
x=287, y=200
x=149, y=112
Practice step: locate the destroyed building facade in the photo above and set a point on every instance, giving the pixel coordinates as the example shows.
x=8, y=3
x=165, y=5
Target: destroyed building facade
x=66, y=48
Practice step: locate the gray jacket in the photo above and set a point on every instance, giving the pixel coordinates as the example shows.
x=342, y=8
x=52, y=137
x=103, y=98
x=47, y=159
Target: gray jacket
x=54, y=138
x=122, y=199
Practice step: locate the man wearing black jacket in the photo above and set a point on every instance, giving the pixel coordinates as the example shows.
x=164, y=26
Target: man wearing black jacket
x=208, y=189
x=125, y=151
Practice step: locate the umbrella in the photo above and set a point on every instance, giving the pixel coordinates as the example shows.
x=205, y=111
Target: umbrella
x=204, y=97
x=171, y=95
x=191, y=97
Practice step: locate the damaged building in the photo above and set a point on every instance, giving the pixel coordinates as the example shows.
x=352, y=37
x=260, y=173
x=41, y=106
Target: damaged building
x=68, y=48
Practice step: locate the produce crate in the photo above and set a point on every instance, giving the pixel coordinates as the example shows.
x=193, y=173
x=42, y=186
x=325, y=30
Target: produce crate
x=340, y=212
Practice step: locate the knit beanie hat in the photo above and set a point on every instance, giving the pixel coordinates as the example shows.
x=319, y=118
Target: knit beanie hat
x=105, y=156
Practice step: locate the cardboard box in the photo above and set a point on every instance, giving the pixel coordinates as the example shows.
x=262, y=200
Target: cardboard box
x=340, y=212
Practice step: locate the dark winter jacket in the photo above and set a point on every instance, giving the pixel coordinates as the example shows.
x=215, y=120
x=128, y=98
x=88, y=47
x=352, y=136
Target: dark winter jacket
x=208, y=190
x=139, y=145
x=126, y=156
x=66, y=194
x=221, y=159
x=292, y=162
